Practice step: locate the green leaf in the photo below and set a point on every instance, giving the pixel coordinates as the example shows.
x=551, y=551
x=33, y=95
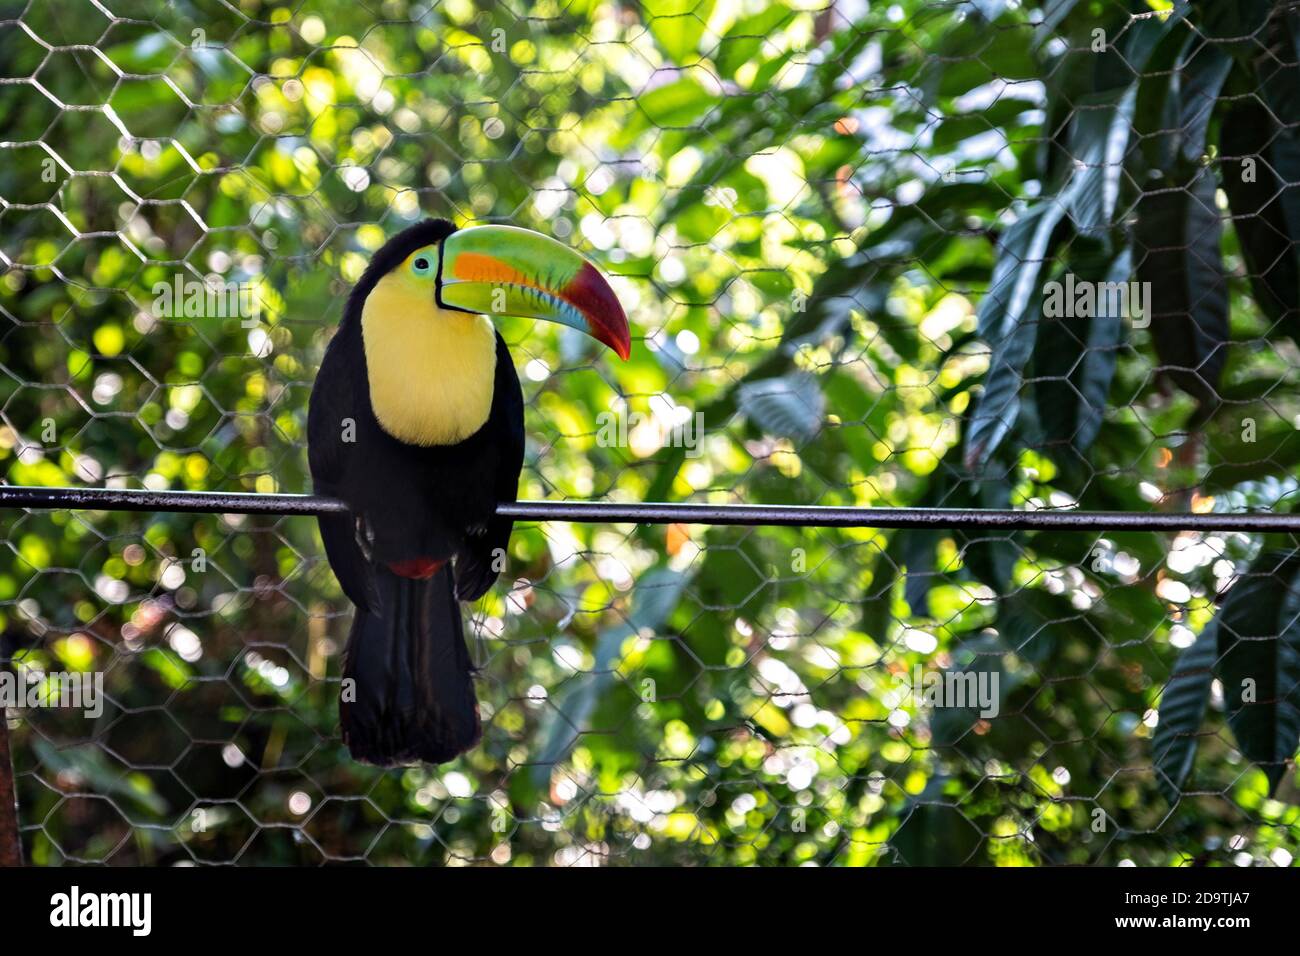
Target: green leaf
x=738, y=131
x=1250, y=441
x=1007, y=325
x=1182, y=710
x=92, y=765
x=677, y=25
x=744, y=40
x=1015, y=276
x=956, y=128
x=658, y=592
x=970, y=54
x=1259, y=653
x=791, y=406
x=672, y=106
x=1176, y=248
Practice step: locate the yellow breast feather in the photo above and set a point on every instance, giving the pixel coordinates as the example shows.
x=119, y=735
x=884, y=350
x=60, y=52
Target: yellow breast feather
x=431, y=370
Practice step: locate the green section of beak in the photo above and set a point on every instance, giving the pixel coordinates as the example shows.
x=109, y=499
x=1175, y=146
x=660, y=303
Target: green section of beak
x=505, y=270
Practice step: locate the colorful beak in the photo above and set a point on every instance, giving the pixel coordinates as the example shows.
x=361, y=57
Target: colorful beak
x=505, y=270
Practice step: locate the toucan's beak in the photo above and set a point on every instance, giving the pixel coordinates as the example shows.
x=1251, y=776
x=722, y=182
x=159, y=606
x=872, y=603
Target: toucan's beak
x=505, y=270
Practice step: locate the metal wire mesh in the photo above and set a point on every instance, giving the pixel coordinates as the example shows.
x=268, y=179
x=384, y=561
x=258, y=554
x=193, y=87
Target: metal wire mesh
x=804, y=211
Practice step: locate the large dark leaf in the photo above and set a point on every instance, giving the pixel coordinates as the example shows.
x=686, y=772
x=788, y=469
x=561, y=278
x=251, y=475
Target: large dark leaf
x=1259, y=650
x=1177, y=99
x=1098, y=142
x=935, y=832
x=1043, y=629
x=1008, y=322
x=1076, y=357
x=877, y=602
x=1266, y=205
x=1202, y=74
x=1126, y=59
x=979, y=660
x=1182, y=710
x=1176, y=249
x=917, y=548
x=1238, y=25
x=1176, y=243
x=1156, y=119
x=1053, y=15
x=1252, y=163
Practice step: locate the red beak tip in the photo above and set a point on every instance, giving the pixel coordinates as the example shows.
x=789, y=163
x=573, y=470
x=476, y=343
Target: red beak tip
x=617, y=340
x=590, y=292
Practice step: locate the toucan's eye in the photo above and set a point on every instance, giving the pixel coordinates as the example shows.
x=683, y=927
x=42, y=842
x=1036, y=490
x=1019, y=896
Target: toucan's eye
x=420, y=265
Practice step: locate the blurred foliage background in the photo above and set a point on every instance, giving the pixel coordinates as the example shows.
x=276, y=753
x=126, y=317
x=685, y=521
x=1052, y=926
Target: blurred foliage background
x=830, y=226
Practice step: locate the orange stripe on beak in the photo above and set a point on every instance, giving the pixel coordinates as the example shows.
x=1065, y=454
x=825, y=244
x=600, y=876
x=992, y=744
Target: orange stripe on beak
x=477, y=267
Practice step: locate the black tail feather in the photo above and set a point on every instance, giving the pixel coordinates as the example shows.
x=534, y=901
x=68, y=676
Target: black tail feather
x=408, y=694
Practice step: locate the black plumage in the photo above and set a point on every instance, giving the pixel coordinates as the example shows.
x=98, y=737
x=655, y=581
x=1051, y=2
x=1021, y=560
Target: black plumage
x=412, y=690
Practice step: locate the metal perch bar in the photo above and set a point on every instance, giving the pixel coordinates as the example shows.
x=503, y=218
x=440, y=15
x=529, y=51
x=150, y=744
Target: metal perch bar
x=963, y=519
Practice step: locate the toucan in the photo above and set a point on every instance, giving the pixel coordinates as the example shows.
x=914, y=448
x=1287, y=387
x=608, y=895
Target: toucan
x=416, y=421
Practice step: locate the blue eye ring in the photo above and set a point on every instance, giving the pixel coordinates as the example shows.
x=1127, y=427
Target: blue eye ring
x=421, y=265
